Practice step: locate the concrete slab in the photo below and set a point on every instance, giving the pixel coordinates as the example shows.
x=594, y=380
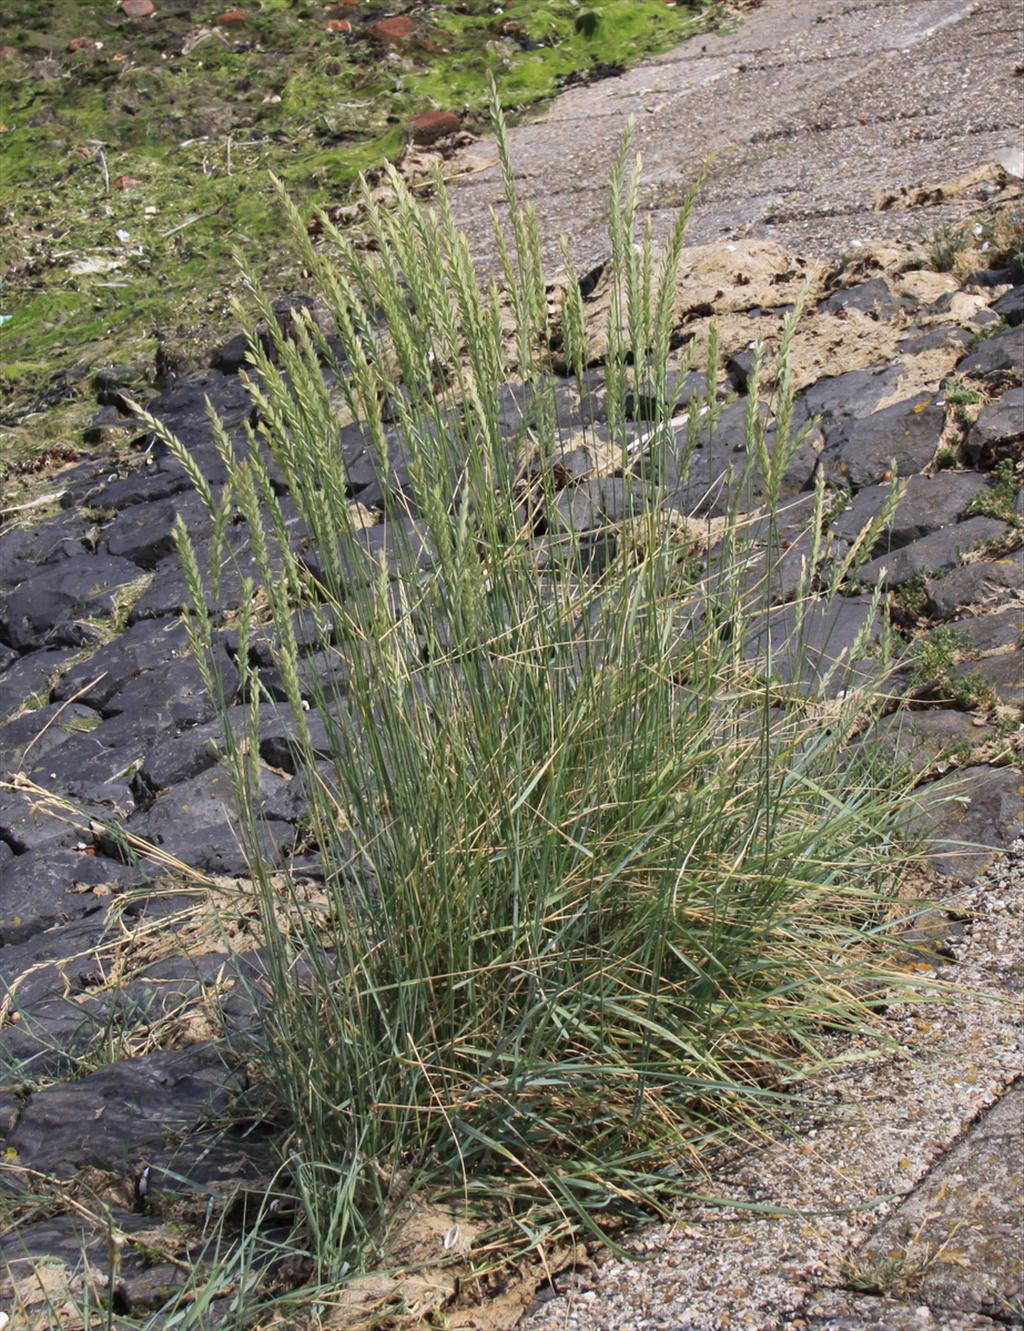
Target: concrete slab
x=813, y=108
x=956, y=1244
x=840, y=1311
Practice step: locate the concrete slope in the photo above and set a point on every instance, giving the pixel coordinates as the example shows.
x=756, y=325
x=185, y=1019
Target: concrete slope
x=814, y=109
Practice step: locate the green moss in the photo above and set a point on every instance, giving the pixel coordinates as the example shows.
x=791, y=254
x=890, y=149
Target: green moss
x=171, y=145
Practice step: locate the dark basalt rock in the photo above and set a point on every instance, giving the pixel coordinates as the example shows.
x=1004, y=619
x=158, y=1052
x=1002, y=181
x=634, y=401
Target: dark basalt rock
x=58, y=1035
x=25, y=549
x=980, y=319
x=144, y=646
x=973, y=584
x=818, y=654
x=230, y=357
x=62, y=961
x=401, y=543
x=739, y=368
x=843, y=398
x=183, y=408
x=50, y=887
x=324, y=674
x=943, y=336
x=197, y=822
x=181, y=757
x=775, y=555
x=25, y=826
x=280, y=743
x=98, y=767
x=994, y=277
x=30, y=677
x=873, y=297
x=993, y=631
x=69, y=1240
x=726, y=432
x=594, y=504
x=681, y=389
x=179, y=690
x=37, y=733
x=930, y=502
x=111, y=426
x=902, y=437
x=518, y=408
x=973, y=807
x=121, y=1117
x=144, y=533
x=49, y=609
x=936, y=553
x=1011, y=306
x=145, y=486
x=79, y=484
x=1004, y=675
x=998, y=432
x=1003, y=353
x=368, y=480
x=918, y=739
x=168, y=593
x=593, y=396
x=712, y=479
x=91, y=770
x=264, y=641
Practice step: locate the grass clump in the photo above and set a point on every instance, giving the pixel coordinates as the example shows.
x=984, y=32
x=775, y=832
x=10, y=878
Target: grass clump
x=992, y=238
x=593, y=895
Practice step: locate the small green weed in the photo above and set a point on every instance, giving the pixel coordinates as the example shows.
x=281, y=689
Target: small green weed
x=912, y=596
x=935, y=655
x=992, y=238
x=999, y=500
x=901, y=1272
x=898, y=1274
x=959, y=393
x=934, y=661
x=988, y=330
x=945, y=246
x=969, y=689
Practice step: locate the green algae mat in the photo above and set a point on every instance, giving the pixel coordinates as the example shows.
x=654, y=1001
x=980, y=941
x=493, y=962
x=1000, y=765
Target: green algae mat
x=137, y=138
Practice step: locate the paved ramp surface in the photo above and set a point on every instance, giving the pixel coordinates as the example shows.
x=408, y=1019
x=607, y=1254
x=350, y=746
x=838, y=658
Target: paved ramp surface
x=813, y=108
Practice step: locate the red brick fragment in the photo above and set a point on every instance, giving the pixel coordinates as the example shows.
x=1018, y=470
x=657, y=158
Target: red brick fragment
x=433, y=125
x=393, y=31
